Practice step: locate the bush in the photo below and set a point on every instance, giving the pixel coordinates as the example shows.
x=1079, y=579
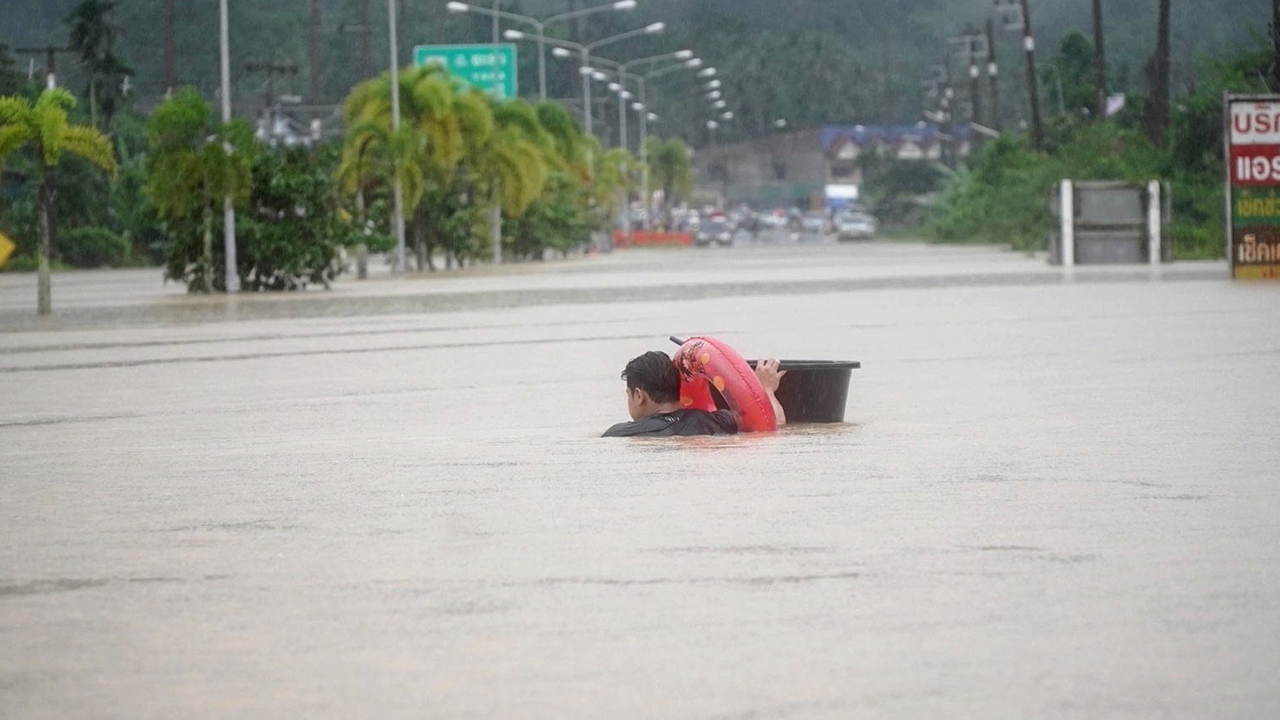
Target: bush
x=1004, y=199
x=92, y=247
x=28, y=263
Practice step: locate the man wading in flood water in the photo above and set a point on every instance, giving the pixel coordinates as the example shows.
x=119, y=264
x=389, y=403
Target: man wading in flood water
x=653, y=401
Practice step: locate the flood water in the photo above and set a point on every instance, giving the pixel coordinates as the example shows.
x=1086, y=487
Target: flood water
x=1055, y=496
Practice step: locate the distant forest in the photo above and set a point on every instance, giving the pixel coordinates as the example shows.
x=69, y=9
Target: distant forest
x=808, y=61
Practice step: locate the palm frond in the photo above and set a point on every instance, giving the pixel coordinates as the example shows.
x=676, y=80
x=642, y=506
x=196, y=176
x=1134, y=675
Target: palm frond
x=90, y=144
x=14, y=110
x=13, y=137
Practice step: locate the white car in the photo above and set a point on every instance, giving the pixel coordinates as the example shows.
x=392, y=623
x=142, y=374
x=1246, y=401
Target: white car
x=856, y=226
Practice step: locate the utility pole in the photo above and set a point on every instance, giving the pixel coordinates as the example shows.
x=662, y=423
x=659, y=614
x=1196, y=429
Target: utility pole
x=1099, y=61
x=1273, y=76
x=993, y=74
x=397, y=217
x=975, y=95
x=1158, y=103
x=365, y=58
x=973, y=39
x=497, y=8
x=51, y=64
x=232, y=277
x=272, y=70
x=170, y=72
x=314, y=52
x=1033, y=83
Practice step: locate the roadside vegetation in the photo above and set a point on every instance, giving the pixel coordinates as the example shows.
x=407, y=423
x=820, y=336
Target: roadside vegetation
x=1003, y=192
x=476, y=173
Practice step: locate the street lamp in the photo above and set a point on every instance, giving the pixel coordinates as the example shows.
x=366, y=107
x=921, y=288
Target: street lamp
x=541, y=27
x=623, y=70
x=686, y=62
x=719, y=104
x=585, y=52
x=232, y=279
x=397, y=216
x=707, y=72
x=715, y=95
x=713, y=85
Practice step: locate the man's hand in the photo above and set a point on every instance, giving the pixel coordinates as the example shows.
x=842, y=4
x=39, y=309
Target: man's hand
x=769, y=375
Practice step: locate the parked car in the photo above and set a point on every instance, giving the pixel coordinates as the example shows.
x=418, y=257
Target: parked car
x=715, y=230
x=856, y=226
x=814, y=223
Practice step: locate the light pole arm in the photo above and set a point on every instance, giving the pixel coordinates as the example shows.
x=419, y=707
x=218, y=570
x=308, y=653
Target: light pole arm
x=506, y=16
x=567, y=44
x=647, y=30
x=579, y=13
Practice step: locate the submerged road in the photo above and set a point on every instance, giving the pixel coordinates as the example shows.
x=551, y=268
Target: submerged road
x=1057, y=495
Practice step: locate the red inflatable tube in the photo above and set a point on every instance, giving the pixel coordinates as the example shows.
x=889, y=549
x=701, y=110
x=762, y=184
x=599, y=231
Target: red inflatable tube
x=704, y=362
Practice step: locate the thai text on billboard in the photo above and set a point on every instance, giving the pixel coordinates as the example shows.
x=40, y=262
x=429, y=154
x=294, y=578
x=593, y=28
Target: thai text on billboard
x=1253, y=181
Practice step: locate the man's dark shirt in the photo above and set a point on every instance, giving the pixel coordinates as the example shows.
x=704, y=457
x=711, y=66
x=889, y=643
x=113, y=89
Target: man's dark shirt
x=680, y=422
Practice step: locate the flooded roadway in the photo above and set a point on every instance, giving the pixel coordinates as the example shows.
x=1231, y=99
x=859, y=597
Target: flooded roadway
x=1056, y=496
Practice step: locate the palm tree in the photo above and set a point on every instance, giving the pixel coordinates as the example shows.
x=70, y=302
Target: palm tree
x=43, y=125
x=373, y=151
x=614, y=179
x=574, y=150
x=509, y=164
x=195, y=162
x=671, y=170
x=438, y=123
x=93, y=36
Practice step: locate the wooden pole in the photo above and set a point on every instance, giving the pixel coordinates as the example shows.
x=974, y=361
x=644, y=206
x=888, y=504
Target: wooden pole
x=1033, y=83
x=993, y=73
x=170, y=72
x=1099, y=62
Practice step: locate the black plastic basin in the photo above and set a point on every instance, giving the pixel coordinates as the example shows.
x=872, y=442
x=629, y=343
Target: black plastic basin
x=814, y=391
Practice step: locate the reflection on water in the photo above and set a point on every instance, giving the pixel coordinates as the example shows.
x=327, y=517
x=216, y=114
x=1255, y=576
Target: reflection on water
x=1049, y=496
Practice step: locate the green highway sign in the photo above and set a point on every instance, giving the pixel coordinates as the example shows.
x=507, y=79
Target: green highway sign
x=490, y=68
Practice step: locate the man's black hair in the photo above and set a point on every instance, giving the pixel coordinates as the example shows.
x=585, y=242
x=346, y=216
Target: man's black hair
x=654, y=373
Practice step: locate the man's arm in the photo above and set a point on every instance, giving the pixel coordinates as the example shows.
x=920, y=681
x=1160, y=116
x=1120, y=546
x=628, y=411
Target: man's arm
x=769, y=375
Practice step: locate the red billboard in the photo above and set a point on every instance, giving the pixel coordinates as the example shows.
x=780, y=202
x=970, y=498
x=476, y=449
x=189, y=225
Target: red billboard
x=1253, y=185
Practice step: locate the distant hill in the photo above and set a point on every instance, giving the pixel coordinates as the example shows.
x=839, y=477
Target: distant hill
x=811, y=60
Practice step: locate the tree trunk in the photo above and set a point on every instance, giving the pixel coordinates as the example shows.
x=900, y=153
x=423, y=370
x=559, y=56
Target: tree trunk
x=48, y=198
x=495, y=225
x=206, y=255
x=93, y=102
x=1099, y=62
x=362, y=250
x=1158, y=72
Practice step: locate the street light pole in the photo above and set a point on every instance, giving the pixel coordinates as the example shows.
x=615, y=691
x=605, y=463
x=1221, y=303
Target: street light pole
x=1033, y=85
x=585, y=71
x=540, y=25
x=585, y=52
x=993, y=72
x=231, y=270
x=397, y=218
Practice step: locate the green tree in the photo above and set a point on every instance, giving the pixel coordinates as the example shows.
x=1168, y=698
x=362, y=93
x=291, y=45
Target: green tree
x=614, y=180
x=194, y=161
x=292, y=234
x=43, y=126
x=371, y=154
x=671, y=170
x=508, y=164
x=1070, y=75
x=440, y=123
x=93, y=35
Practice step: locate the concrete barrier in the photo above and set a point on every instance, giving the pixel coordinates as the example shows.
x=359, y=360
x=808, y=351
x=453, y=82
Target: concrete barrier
x=651, y=239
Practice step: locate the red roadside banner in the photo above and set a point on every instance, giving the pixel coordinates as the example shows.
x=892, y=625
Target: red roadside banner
x=1252, y=153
